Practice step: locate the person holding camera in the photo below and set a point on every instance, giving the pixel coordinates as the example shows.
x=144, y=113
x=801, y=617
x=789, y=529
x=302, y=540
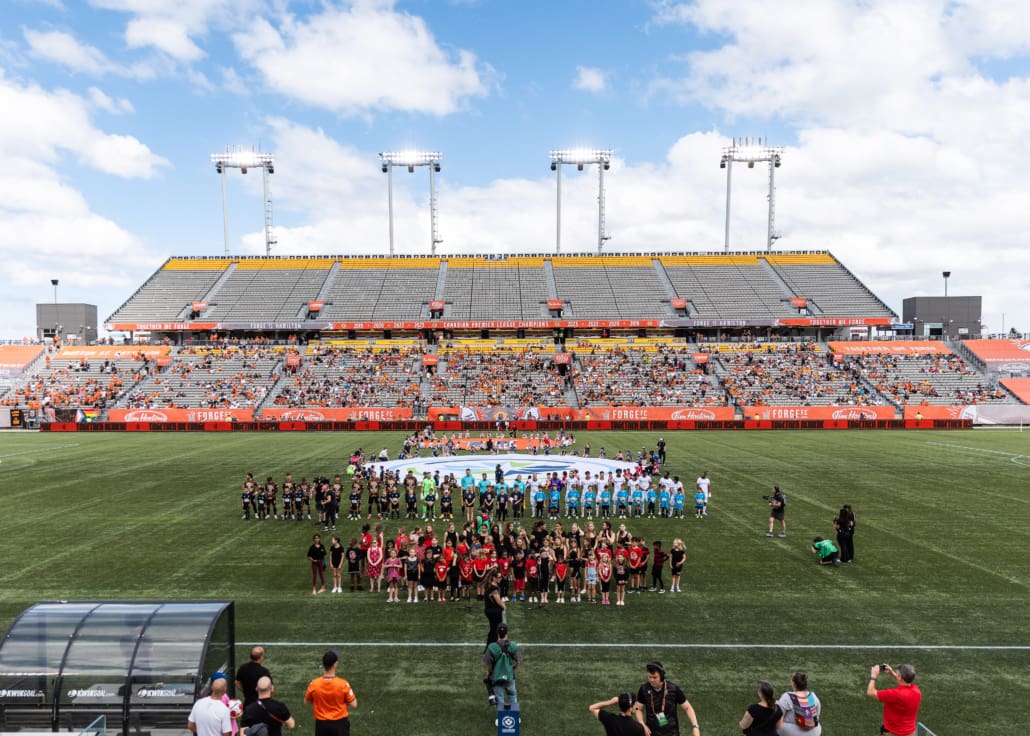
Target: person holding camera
x=657, y=703
x=777, y=508
x=901, y=703
x=617, y=725
x=501, y=658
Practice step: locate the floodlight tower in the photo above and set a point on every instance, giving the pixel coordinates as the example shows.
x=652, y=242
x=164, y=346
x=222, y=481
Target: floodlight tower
x=581, y=157
x=409, y=160
x=745, y=150
x=236, y=158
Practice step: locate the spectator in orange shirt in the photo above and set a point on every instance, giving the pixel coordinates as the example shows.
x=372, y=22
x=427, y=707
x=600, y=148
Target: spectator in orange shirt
x=330, y=696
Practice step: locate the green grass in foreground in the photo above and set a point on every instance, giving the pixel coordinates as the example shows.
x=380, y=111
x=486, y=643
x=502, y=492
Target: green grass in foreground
x=942, y=559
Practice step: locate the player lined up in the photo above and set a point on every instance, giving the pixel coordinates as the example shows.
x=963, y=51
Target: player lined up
x=615, y=495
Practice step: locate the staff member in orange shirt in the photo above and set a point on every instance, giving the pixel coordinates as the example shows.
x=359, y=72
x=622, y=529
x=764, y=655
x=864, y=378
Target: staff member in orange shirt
x=330, y=696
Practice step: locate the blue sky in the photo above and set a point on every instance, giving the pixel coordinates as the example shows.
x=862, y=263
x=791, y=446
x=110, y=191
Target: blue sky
x=904, y=127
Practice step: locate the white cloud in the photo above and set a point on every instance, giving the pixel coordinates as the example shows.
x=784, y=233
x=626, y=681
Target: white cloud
x=164, y=34
x=366, y=57
x=102, y=101
x=590, y=79
x=49, y=228
x=64, y=49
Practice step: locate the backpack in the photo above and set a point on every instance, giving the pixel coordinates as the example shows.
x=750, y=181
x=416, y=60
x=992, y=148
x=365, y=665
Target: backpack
x=504, y=667
x=805, y=717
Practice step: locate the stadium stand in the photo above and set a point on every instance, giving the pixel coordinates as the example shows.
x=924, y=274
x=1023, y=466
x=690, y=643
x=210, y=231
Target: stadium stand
x=524, y=378
x=829, y=288
x=630, y=377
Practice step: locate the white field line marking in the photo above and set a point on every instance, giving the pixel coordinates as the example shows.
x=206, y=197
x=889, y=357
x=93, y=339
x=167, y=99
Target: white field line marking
x=598, y=645
x=34, y=452
x=1014, y=457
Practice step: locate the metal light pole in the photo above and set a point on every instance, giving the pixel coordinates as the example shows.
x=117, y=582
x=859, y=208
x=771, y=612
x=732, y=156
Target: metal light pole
x=946, y=275
x=409, y=160
x=236, y=158
x=582, y=157
x=54, y=282
x=744, y=150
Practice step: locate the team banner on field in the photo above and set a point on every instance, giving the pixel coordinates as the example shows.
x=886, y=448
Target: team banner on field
x=512, y=465
x=802, y=413
x=337, y=414
x=157, y=416
x=884, y=347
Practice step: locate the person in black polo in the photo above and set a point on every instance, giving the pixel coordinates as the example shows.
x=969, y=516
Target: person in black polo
x=249, y=673
x=267, y=710
x=617, y=725
x=658, y=703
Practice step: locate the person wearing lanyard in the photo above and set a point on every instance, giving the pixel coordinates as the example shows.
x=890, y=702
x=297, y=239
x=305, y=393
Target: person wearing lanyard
x=657, y=703
x=330, y=697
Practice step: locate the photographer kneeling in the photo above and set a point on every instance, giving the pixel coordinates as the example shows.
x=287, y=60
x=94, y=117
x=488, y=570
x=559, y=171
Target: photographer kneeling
x=501, y=658
x=826, y=551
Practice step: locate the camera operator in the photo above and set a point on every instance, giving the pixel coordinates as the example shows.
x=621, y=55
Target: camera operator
x=777, y=508
x=901, y=703
x=501, y=658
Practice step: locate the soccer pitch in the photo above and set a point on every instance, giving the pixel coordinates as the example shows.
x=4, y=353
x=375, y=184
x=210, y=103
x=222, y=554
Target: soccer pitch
x=941, y=578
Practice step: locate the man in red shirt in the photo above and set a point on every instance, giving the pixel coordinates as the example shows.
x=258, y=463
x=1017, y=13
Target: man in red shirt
x=901, y=703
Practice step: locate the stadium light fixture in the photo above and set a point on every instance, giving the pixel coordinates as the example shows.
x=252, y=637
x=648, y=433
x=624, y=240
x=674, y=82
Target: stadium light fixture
x=54, y=282
x=752, y=151
x=580, y=157
x=238, y=158
x=409, y=159
x=946, y=275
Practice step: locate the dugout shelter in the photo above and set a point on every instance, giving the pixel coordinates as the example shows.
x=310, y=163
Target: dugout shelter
x=138, y=664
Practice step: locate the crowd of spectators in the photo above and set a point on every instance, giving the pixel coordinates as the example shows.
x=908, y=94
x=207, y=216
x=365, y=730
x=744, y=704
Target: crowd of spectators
x=931, y=379
x=799, y=376
x=624, y=377
x=339, y=377
x=524, y=378
x=79, y=383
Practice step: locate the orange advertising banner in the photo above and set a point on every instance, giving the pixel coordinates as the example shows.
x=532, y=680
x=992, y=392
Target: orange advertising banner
x=157, y=416
x=315, y=306
x=430, y=360
x=890, y=347
x=700, y=358
x=641, y=413
x=163, y=360
x=437, y=305
x=337, y=414
x=112, y=352
x=799, y=301
x=803, y=413
x=934, y=412
x=553, y=304
x=293, y=360
x=1001, y=351
x=678, y=303
x=198, y=306
x=562, y=358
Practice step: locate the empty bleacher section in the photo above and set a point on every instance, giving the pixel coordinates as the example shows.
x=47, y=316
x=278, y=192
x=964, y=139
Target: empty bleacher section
x=171, y=289
x=609, y=287
x=727, y=287
x=486, y=289
x=382, y=289
x=268, y=290
x=662, y=376
x=830, y=288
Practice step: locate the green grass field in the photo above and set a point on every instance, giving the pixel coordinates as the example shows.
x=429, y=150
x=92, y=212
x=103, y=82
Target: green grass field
x=941, y=578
